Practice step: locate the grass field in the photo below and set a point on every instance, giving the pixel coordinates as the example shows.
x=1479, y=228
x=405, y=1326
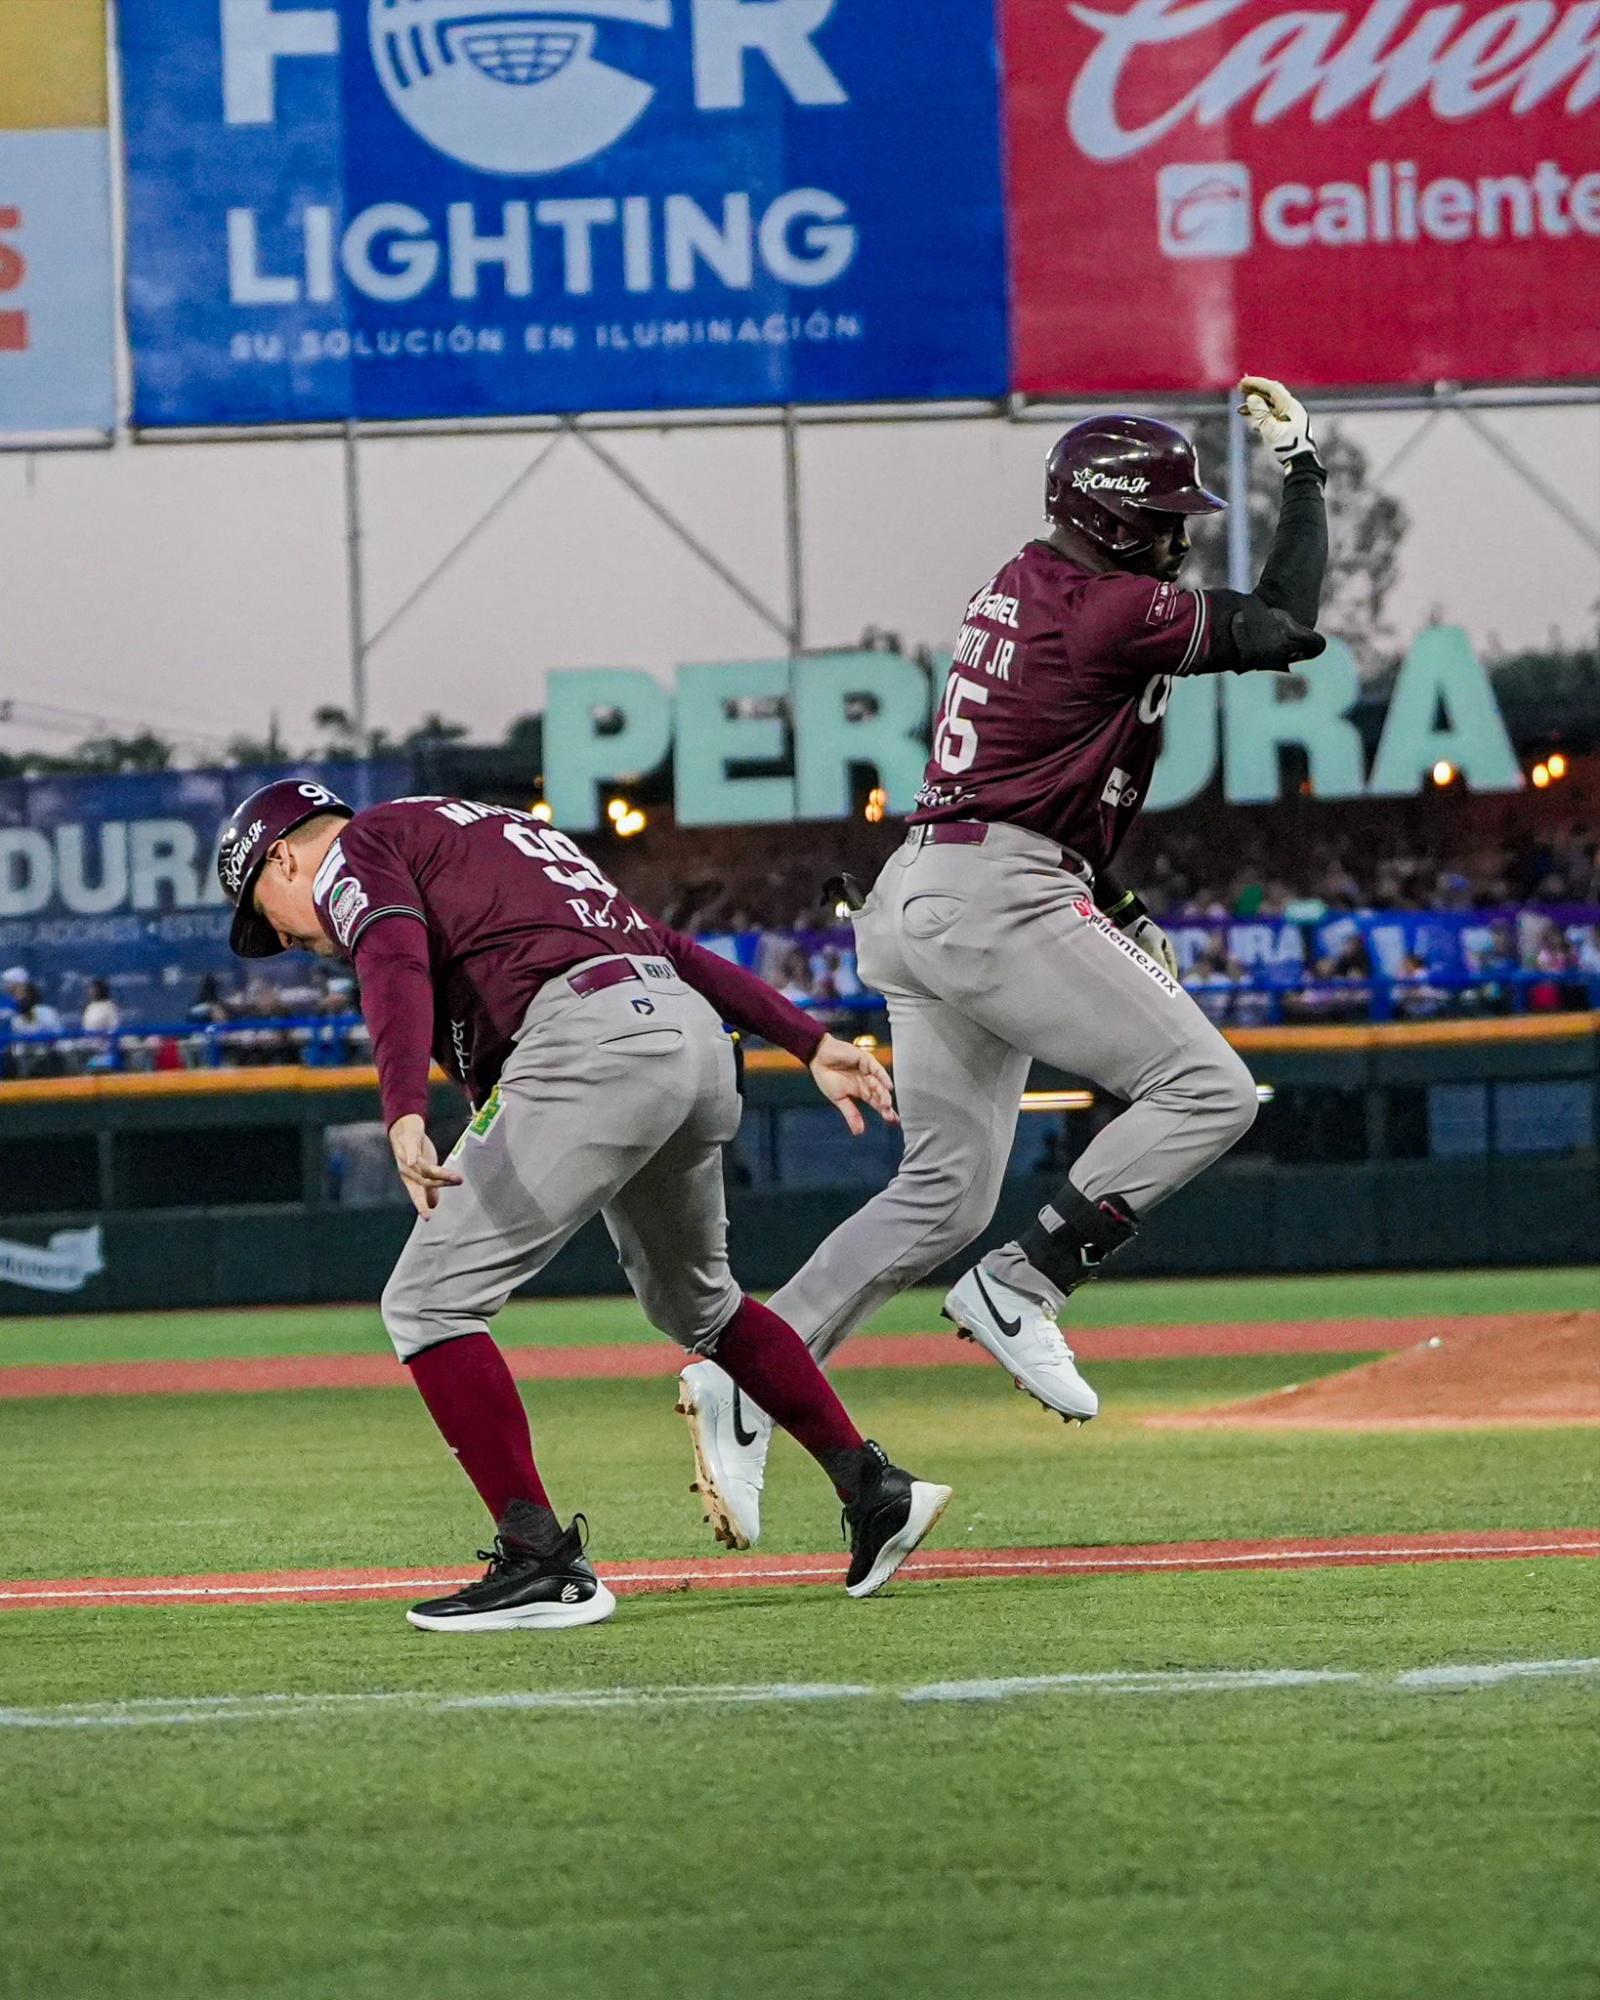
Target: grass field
x=265, y=1330
x=724, y=1790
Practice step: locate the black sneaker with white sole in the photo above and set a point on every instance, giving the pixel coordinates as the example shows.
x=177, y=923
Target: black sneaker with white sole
x=526, y=1585
x=887, y=1520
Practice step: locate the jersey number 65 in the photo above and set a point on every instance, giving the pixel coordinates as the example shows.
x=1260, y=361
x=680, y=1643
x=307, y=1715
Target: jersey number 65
x=955, y=742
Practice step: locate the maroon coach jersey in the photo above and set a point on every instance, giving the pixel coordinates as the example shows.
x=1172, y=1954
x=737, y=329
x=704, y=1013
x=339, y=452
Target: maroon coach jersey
x=508, y=903
x=1051, y=718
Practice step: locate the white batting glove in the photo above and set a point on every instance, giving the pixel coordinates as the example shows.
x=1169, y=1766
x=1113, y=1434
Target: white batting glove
x=1153, y=941
x=1128, y=913
x=1278, y=419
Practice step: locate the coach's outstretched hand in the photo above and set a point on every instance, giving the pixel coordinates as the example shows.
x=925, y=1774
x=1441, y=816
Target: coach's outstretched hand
x=418, y=1162
x=850, y=1077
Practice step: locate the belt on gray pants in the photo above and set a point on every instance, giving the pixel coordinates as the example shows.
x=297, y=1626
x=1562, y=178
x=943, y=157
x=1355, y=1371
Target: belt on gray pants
x=601, y=973
x=974, y=832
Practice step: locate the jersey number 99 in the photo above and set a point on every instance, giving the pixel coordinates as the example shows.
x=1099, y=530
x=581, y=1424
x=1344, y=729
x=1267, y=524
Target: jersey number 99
x=564, y=860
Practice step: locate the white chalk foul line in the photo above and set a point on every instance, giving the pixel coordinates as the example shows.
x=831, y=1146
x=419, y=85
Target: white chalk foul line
x=927, y=1567
x=169, y=1711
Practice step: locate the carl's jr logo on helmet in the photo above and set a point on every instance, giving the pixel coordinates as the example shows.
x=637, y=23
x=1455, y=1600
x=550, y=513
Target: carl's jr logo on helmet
x=1204, y=211
x=1085, y=480
x=235, y=863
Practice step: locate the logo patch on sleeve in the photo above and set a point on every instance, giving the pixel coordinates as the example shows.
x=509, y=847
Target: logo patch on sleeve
x=346, y=900
x=1162, y=605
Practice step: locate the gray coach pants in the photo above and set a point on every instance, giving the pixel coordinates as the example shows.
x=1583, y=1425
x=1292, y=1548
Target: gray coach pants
x=991, y=956
x=616, y=1103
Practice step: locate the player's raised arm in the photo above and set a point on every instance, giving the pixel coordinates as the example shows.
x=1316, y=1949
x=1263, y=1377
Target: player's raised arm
x=1271, y=626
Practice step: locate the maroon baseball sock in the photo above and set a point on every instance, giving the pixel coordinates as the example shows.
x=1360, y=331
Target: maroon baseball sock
x=471, y=1396
x=774, y=1368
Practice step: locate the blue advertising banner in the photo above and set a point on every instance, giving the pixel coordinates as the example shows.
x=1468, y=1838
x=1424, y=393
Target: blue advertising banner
x=113, y=878
x=394, y=209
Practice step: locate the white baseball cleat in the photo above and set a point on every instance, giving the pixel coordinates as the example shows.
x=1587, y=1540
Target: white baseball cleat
x=1023, y=1337
x=731, y=1440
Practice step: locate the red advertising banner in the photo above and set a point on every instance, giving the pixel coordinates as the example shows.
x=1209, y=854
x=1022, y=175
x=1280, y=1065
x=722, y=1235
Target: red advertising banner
x=1369, y=194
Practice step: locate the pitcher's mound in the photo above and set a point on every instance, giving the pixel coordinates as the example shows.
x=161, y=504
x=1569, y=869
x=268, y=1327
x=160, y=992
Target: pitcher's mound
x=1544, y=1373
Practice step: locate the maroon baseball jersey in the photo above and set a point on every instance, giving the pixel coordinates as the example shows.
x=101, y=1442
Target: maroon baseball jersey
x=506, y=903
x=1051, y=717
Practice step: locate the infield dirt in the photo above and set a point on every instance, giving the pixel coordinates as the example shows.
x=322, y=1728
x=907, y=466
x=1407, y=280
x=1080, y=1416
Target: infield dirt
x=1546, y=1371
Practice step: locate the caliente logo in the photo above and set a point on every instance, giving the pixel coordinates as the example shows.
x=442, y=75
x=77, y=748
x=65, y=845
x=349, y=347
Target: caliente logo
x=510, y=86
x=1172, y=61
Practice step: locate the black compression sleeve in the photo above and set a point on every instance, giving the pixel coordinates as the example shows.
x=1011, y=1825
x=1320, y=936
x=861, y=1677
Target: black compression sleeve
x=1252, y=636
x=1291, y=578
x=1223, y=656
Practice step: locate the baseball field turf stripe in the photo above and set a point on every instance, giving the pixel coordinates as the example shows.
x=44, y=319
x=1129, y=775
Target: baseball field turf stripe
x=188, y=1711
x=779, y=1571
x=224, y=1376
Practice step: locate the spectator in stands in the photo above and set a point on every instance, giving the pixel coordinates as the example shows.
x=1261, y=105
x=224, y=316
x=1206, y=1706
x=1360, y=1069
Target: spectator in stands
x=33, y=1013
x=1339, y=987
x=1565, y=988
x=1248, y=894
x=1554, y=952
x=207, y=1006
x=1212, y=982
x=795, y=984
x=1416, y=998
x=14, y=982
x=101, y=1014
x=834, y=976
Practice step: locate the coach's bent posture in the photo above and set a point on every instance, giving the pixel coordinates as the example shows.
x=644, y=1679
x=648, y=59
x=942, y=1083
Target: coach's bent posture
x=601, y=1081
x=999, y=935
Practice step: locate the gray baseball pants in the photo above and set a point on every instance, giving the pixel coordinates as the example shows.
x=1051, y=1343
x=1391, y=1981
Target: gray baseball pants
x=617, y=1103
x=990, y=957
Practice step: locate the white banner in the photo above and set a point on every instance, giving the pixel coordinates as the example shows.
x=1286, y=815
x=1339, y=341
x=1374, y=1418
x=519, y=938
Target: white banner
x=66, y=1264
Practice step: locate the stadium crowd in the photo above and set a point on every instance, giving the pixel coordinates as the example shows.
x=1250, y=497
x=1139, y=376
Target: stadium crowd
x=1178, y=876
x=1537, y=948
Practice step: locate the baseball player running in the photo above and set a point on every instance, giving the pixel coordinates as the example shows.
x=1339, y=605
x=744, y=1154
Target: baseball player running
x=601, y=1081
x=999, y=934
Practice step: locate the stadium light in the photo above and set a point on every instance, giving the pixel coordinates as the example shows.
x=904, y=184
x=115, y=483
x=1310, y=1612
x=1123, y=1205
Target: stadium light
x=541, y=811
x=1556, y=764
x=630, y=822
x=877, y=805
x=1444, y=772
x=1540, y=775
x=618, y=811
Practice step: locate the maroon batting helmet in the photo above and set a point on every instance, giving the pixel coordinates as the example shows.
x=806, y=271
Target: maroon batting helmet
x=1111, y=477
x=266, y=816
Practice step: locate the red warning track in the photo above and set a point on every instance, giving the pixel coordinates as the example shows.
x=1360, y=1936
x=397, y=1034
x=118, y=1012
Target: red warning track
x=567, y=1364
x=351, y=1586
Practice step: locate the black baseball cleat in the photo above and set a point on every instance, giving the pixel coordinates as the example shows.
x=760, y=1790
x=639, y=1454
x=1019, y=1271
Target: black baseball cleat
x=887, y=1520
x=530, y=1582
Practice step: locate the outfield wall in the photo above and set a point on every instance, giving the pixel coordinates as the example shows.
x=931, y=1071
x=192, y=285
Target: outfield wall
x=214, y=1188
